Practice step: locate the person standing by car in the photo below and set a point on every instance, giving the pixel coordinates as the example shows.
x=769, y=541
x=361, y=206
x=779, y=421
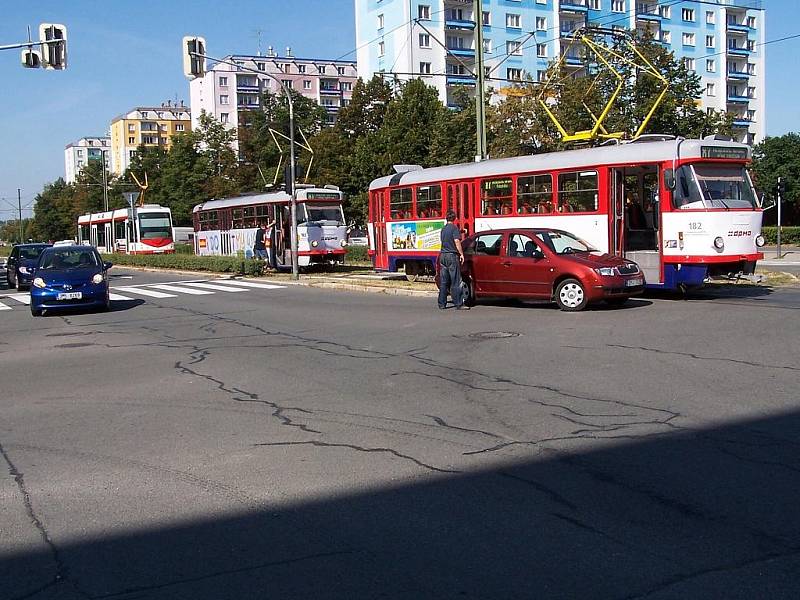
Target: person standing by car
x=450, y=260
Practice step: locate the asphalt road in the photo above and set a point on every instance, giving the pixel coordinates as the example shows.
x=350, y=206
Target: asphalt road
x=291, y=442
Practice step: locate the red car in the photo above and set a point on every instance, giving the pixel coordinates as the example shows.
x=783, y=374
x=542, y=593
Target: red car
x=546, y=264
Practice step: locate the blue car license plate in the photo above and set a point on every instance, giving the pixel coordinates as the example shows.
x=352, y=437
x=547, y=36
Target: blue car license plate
x=70, y=296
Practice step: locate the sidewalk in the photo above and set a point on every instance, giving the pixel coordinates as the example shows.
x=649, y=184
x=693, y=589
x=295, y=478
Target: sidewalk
x=790, y=256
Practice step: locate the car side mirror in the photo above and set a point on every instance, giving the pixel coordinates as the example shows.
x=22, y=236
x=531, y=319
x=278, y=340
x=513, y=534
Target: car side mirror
x=669, y=179
x=107, y=265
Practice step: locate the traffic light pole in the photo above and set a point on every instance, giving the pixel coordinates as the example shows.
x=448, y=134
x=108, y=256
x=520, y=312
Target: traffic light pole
x=19, y=206
x=286, y=92
x=780, y=186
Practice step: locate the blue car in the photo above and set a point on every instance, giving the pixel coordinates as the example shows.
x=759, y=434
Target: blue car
x=21, y=264
x=70, y=277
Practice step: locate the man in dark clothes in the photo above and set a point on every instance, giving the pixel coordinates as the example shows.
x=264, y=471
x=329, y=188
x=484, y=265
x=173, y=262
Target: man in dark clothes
x=450, y=260
x=259, y=247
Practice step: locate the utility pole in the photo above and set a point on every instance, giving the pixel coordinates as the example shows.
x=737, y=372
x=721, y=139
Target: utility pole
x=19, y=206
x=105, y=180
x=781, y=189
x=477, y=9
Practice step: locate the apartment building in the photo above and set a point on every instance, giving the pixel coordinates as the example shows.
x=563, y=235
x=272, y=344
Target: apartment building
x=226, y=91
x=79, y=154
x=721, y=40
x=146, y=126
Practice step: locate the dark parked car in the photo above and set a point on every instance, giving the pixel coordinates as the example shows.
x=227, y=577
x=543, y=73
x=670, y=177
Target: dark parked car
x=545, y=264
x=70, y=277
x=21, y=264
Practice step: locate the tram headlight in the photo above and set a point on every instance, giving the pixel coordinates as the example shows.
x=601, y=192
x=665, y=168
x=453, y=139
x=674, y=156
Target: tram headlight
x=344, y=243
x=314, y=243
x=605, y=271
x=760, y=241
x=719, y=243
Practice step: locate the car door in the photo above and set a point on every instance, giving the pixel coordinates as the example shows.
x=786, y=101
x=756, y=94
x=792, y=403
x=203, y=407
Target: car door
x=528, y=271
x=11, y=267
x=484, y=262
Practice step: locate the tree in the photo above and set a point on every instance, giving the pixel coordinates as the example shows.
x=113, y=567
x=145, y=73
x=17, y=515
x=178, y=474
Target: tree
x=367, y=109
x=55, y=213
x=215, y=142
x=453, y=139
x=182, y=179
x=779, y=157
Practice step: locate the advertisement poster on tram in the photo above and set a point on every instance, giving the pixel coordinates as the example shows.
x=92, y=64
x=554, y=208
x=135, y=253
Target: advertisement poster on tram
x=419, y=235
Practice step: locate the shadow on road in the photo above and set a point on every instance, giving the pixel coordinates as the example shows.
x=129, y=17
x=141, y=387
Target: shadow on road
x=696, y=514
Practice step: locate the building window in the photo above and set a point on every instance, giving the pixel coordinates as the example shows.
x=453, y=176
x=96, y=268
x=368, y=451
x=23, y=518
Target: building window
x=144, y=114
x=424, y=40
x=541, y=23
x=688, y=39
x=131, y=127
x=751, y=45
x=710, y=17
x=346, y=86
x=487, y=45
x=594, y=4
x=322, y=69
x=131, y=140
x=380, y=21
x=688, y=63
x=751, y=22
x=711, y=65
x=301, y=68
x=340, y=70
x=710, y=89
x=687, y=14
x=541, y=50
x=261, y=66
x=751, y=69
x=514, y=74
x=306, y=84
x=80, y=153
x=514, y=48
x=223, y=100
x=223, y=117
x=179, y=127
x=223, y=81
x=665, y=11
x=288, y=83
x=751, y=92
x=541, y=75
x=424, y=12
x=666, y=37
x=487, y=18
x=381, y=49
x=514, y=21
x=425, y=68
x=709, y=41
x=617, y=5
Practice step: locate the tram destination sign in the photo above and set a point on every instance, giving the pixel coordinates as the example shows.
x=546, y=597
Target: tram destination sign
x=723, y=152
x=322, y=195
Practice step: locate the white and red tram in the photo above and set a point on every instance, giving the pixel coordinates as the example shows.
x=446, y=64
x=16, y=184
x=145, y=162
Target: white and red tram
x=683, y=209
x=150, y=232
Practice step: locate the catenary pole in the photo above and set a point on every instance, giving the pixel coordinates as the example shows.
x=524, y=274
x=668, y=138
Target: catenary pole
x=19, y=207
x=480, y=74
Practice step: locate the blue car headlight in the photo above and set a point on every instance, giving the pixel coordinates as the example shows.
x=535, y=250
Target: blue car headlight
x=24, y=270
x=98, y=278
x=39, y=283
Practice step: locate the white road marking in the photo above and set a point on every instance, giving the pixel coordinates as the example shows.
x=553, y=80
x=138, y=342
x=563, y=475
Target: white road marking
x=119, y=297
x=181, y=290
x=250, y=284
x=24, y=298
x=144, y=292
x=4, y=307
x=219, y=288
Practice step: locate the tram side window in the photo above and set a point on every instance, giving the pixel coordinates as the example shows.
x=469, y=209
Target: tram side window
x=101, y=234
x=209, y=220
x=577, y=192
x=497, y=196
x=401, y=204
x=535, y=194
x=119, y=230
x=429, y=202
x=686, y=189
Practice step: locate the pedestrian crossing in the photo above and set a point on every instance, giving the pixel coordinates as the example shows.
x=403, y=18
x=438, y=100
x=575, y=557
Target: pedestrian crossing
x=160, y=291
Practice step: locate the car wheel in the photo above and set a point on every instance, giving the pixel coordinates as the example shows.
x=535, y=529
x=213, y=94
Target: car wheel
x=35, y=311
x=467, y=291
x=570, y=295
x=616, y=302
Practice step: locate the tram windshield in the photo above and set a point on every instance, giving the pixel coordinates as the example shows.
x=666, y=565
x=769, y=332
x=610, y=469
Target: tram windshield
x=324, y=214
x=712, y=186
x=155, y=226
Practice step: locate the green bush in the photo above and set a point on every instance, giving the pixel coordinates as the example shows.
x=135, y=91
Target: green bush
x=789, y=235
x=184, y=248
x=357, y=254
x=184, y=262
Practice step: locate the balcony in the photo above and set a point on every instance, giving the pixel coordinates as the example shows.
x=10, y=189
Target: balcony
x=468, y=52
x=734, y=99
x=573, y=60
x=573, y=6
x=460, y=80
x=738, y=75
x=738, y=51
x=737, y=28
x=645, y=12
x=742, y=122
x=462, y=24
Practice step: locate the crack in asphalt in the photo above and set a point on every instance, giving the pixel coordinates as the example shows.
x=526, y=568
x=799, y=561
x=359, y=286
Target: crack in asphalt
x=62, y=573
x=391, y=451
x=549, y=492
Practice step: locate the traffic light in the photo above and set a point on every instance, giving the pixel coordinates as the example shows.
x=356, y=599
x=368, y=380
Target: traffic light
x=193, y=65
x=53, y=38
x=31, y=59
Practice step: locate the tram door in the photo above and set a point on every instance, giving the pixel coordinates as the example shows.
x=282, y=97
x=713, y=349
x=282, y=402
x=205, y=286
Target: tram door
x=281, y=235
x=379, y=230
x=460, y=200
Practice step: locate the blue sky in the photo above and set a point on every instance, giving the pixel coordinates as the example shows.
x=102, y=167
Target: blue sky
x=123, y=54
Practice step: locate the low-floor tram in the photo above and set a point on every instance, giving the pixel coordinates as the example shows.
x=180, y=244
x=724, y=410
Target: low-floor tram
x=146, y=229
x=683, y=209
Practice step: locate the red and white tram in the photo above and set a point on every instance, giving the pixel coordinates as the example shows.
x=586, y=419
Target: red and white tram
x=150, y=232
x=684, y=210
x=228, y=226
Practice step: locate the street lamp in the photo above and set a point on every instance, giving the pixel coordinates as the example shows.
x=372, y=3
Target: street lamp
x=194, y=57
